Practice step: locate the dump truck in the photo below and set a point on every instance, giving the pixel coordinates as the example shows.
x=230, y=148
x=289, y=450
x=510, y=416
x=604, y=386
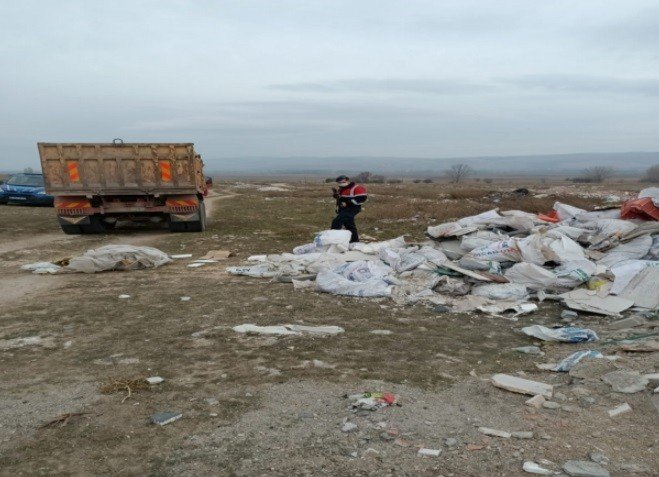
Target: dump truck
x=95, y=185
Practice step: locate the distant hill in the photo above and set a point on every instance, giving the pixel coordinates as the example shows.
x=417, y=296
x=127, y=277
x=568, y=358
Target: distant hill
x=627, y=163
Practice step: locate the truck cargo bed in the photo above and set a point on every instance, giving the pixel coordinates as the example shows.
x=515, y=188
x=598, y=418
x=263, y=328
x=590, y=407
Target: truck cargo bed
x=99, y=169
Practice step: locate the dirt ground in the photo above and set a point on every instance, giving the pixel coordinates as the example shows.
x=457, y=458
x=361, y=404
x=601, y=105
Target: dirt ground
x=258, y=405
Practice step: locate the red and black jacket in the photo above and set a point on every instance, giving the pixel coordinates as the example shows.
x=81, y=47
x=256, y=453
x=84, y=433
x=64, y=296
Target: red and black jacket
x=352, y=195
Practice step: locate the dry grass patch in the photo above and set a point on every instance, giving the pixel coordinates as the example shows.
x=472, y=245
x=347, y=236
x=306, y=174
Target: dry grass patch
x=129, y=386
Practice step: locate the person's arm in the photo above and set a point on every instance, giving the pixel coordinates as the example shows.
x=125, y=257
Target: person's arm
x=359, y=196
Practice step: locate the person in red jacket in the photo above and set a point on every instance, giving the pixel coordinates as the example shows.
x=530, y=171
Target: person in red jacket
x=349, y=199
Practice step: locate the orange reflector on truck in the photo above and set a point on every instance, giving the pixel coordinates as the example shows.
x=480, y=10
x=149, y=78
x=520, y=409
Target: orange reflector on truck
x=182, y=204
x=165, y=171
x=72, y=205
x=72, y=167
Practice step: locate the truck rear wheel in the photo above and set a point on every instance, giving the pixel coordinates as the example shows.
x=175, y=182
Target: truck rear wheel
x=70, y=229
x=95, y=226
x=196, y=226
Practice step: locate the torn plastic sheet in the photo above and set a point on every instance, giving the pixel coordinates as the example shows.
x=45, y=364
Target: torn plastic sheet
x=375, y=247
x=567, y=212
x=501, y=291
x=482, y=218
x=625, y=271
x=531, y=249
x=482, y=238
x=109, y=257
x=333, y=237
x=331, y=282
x=531, y=275
x=449, y=229
x=402, y=260
x=502, y=251
x=41, y=268
x=571, y=361
x=567, y=231
x=564, y=249
x=634, y=249
x=568, y=334
x=642, y=289
x=573, y=273
x=363, y=270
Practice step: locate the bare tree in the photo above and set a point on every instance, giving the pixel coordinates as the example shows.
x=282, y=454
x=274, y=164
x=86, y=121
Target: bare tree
x=458, y=173
x=598, y=173
x=652, y=174
x=363, y=177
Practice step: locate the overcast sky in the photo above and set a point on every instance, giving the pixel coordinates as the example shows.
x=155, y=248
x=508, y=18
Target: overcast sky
x=426, y=78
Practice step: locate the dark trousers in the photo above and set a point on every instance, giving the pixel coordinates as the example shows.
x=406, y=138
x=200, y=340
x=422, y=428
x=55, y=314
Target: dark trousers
x=346, y=218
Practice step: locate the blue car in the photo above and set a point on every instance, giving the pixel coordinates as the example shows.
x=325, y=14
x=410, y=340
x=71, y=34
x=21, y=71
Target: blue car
x=27, y=189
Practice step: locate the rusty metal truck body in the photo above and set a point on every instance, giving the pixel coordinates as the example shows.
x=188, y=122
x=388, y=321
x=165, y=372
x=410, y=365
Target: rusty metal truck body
x=97, y=184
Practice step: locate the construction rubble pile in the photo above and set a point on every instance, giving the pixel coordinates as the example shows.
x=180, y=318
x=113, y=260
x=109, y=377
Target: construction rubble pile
x=494, y=262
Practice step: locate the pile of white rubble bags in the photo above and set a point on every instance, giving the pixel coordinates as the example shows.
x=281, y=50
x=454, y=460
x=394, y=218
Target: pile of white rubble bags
x=494, y=262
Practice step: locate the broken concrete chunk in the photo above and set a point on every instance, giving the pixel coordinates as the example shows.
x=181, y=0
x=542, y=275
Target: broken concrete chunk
x=530, y=350
x=381, y=332
x=627, y=382
x=623, y=408
x=162, y=418
x=522, y=386
x=429, y=452
x=494, y=432
x=551, y=405
x=569, y=315
x=630, y=322
x=288, y=330
x=533, y=468
x=536, y=401
x=584, y=468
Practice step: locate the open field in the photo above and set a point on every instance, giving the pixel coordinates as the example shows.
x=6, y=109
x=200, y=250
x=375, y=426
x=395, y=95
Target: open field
x=255, y=405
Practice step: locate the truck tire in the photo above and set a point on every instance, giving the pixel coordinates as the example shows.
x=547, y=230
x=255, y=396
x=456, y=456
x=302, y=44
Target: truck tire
x=196, y=226
x=95, y=226
x=199, y=225
x=70, y=229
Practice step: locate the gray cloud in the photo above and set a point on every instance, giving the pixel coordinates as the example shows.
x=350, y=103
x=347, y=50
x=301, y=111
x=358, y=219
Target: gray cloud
x=389, y=85
x=292, y=77
x=587, y=84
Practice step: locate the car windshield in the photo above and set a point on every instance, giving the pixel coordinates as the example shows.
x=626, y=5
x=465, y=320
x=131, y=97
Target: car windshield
x=33, y=180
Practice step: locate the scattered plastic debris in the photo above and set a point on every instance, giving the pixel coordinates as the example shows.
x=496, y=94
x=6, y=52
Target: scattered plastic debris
x=288, y=330
x=568, y=363
x=568, y=334
x=154, y=380
x=490, y=262
x=163, y=418
x=372, y=401
x=109, y=257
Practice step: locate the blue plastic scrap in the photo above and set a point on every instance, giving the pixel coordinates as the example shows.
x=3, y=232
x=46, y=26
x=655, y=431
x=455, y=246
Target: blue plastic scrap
x=568, y=334
x=568, y=363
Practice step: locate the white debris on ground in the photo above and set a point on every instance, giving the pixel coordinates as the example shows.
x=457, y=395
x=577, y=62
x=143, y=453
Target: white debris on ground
x=109, y=257
x=493, y=262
